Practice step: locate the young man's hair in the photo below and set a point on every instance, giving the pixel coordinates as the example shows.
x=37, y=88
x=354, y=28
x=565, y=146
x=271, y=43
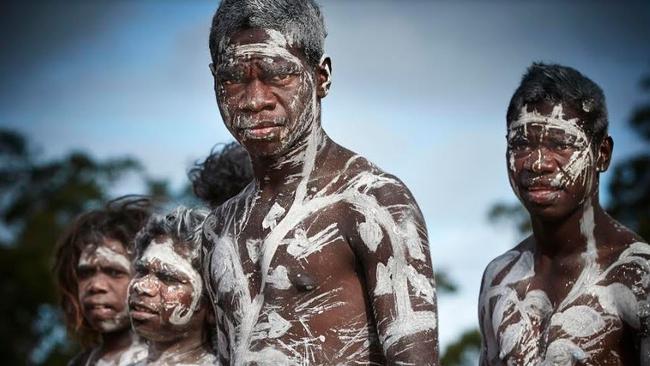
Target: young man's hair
x=223, y=174
x=300, y=21
x=120, y=220
x=557, y=84
x=182, y=225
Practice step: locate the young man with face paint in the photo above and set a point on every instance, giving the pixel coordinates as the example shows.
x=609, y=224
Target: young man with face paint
x=167, y=304
x=93, y=270
x=323, y=259
x=576, y=292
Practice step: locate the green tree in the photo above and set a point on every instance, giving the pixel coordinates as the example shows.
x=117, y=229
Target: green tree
x=37, y=200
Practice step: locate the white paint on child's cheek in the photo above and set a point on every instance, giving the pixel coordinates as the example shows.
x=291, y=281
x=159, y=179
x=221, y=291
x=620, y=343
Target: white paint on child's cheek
x=164, y=252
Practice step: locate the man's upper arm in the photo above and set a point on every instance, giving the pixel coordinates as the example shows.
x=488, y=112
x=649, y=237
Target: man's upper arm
x=390, y=238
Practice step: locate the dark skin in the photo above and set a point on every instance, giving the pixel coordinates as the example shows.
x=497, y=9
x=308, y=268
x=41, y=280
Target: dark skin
x=104, y=274
x=324, y=258
x=579, y=276
x=160, y=290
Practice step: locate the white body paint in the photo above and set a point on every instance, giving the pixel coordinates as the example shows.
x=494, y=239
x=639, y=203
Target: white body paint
x=593, y=308
x=576, y=169
x=164, y=252
x=255, y=323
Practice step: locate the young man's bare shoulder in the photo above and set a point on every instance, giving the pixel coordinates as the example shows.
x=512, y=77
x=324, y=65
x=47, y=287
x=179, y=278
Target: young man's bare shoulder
x=521, y=254
x=228, y=212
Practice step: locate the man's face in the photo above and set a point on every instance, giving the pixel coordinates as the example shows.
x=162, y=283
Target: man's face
x=551, y=163
x=103, y=272
x=265, y=91
x=165, y=292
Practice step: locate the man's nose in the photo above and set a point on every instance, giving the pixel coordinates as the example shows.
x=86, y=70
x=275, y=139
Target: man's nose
x=257, y=97
x=145, y=286
x=98, y=284
x=539, y=161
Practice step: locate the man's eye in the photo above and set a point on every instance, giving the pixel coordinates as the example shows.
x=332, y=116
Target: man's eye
x=84, y=273
x=279, y=78
x=518, y=145
x=167, y=278
x=114, y=273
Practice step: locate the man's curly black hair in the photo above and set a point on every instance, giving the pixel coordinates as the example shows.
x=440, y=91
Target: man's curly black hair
x=222, y=175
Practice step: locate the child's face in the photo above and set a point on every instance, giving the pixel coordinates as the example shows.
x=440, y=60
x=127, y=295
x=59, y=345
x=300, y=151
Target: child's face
x=104, y=272
x=165, y=292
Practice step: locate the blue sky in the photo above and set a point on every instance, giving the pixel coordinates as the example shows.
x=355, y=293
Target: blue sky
x=420, y=88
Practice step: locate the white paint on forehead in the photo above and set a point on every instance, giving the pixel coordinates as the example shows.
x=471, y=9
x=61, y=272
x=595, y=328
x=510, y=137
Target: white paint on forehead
x=555, y=120
x=109, y=255
x=275, y=46
x=164, y=252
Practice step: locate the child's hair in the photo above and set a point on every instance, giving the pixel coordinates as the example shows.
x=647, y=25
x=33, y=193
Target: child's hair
x=120, y=220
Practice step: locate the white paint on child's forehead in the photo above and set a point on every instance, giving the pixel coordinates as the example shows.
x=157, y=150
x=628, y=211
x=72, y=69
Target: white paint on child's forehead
x=102, y=252
x=164, y=252
x=275, y=46
x=556, y=119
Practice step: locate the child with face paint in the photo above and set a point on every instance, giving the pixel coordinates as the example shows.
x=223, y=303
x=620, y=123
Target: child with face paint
x=576, y=292
x=323, y=259
x=167, y=303
x=93, y=269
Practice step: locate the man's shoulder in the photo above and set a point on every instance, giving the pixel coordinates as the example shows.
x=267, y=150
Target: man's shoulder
x=520, y=256
x=358, y=172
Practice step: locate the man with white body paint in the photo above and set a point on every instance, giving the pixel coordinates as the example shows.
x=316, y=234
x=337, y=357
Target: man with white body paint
x=576, y=292
x=323, y=259
x=167, y=304
x=93, y=270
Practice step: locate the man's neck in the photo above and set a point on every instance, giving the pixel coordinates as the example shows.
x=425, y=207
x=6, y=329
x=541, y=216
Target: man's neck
x=283, y=172
x=183, y=349
x=117, y=341
x=572, y=235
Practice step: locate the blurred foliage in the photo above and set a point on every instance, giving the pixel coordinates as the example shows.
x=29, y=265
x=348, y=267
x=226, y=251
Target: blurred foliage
x=630, y=185
x=37, y=200
x=464, y=351
x=511, y=213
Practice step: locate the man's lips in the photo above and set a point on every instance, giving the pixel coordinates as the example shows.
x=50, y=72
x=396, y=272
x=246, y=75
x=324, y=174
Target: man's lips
x=99, y=310
x=142, y=311
x=541, y=193
x=261, y=131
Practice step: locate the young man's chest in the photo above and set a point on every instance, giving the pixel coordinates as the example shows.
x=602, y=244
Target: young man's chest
x=566, y=318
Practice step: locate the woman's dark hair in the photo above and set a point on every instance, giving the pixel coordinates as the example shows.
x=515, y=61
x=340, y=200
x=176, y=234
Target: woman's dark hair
x=120, y=220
